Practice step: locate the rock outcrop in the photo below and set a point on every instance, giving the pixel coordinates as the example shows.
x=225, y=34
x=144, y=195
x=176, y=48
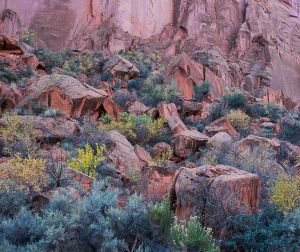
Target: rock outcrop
x=70, y=96
x=122, y=155
x=209, y=191
x=188, y=141
x=250, y=44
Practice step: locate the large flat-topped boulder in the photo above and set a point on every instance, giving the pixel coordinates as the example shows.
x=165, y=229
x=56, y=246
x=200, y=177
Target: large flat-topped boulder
x=201, y=190
x=188, y=141
x=70, y=96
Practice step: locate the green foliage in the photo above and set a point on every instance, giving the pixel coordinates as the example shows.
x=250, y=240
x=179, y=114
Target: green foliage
x=289, y=129
x=202, y=90
x=160, y=215
x=68, y=62
x=268, y=230
x=137, y=128
x=29, y=37
x=18, y=137
x=162, y=158
x=191, y=236
x=235, y=99
x=11, y=201
x=52, y=59
x=274, y=112
x=7, y=76
x=154, y=93
x=87, y=159
x=239, y=119
x=286, y=193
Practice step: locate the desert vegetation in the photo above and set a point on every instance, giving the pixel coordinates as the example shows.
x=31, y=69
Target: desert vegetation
x=128, y=152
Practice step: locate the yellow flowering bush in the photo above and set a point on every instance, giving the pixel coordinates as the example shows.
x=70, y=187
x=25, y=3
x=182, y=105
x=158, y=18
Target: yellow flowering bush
x=239, y=119
x=286, y=193
x=87, y=159
x=25, y=174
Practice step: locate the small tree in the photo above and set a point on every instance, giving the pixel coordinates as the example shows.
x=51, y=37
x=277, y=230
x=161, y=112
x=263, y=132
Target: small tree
x=87, y=159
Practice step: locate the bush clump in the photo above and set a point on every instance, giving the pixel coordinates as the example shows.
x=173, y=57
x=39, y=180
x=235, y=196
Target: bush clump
x=289, y=129
x=235, y=99
x=191, y=236
x=154, y=93
x=18, y=137
x=202, y=90
x=87, y=159
x=267, y=230
x=239, y=119
x=286, y=193
x=29, y=37
x=137, y=128
x=27, y=174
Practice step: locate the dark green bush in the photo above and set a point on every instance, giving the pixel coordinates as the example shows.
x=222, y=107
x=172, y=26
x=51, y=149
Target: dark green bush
x=11, y=202
x=235, y=99
x=52, y=59
x=290, y=128
x=274, y=112
x=154, y=93
x=7, y=76
x=268, y=230
x=202, y=90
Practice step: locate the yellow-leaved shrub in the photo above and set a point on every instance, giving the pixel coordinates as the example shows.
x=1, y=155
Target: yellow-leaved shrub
x=286, y=193
x=87, y=159
x=27, y=174
x=239, y=119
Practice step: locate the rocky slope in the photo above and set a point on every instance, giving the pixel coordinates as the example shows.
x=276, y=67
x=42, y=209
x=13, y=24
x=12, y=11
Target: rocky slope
x=247, y=43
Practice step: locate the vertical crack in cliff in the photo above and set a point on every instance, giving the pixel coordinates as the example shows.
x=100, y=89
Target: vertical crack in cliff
x=92, y=8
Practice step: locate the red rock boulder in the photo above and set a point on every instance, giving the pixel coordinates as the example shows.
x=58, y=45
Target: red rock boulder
x=188, y=141
x=70, y=96
x=201, y=190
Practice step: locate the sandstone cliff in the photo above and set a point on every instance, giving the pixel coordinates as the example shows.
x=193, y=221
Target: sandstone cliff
x=252, y=44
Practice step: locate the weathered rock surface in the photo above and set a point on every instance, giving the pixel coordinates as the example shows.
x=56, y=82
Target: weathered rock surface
x=70, y=96
x=121, y=68
x=49, y=128
x=122, y=154
x=137, y=108
x=158, y=182
x=143, y=155
x=250, y=44
x=187, y=73
x=220, y=139
x=170, y=114
x=9, y=97
x=221, y=125
x=188, y=141
x=209, y=190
